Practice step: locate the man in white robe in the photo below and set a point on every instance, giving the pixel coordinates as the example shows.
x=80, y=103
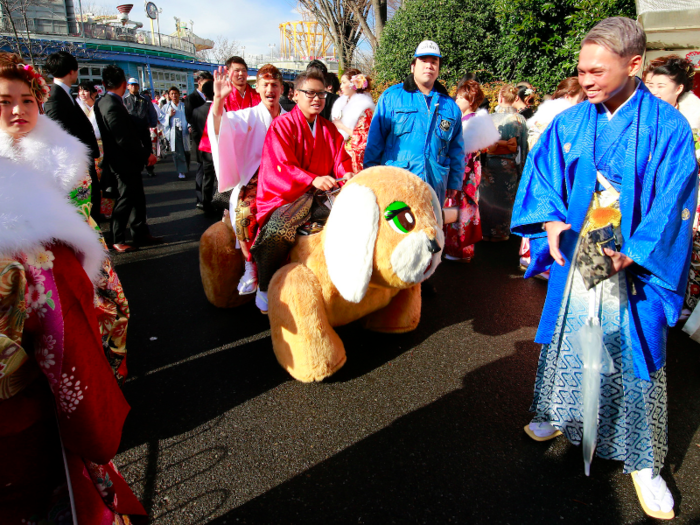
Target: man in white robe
x=237, y=139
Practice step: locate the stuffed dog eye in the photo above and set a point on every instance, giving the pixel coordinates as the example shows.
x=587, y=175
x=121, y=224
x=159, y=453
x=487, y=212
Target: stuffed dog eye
x=400, y=217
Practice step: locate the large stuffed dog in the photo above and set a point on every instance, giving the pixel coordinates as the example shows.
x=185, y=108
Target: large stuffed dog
x=383, y=237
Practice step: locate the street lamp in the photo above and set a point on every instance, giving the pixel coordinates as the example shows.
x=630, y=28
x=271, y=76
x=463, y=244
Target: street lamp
x=160, y=10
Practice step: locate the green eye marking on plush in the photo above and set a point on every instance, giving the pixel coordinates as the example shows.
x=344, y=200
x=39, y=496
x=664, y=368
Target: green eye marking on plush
x=400, y=217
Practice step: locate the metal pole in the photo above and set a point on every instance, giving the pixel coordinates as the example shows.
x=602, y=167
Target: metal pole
x=82, y=22
x=158, y=22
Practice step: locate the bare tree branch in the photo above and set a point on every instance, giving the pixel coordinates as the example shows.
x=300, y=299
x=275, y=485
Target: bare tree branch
x=338, y=18
x=223, y=50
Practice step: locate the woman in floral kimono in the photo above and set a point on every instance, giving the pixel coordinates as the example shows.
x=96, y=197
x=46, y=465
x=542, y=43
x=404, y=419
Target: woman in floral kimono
x=352, y=114
x=61, y=411
x=502, y=167
x=479, y=133
x=670, y=78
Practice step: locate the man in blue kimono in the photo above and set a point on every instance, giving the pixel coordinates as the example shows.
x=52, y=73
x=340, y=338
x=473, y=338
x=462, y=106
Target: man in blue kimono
x=622, y=163
x=417, y=126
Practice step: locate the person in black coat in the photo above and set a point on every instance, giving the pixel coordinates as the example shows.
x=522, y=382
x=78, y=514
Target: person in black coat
x=193, y=101
x=124, y=156
x=204, y=184
x=62, y=108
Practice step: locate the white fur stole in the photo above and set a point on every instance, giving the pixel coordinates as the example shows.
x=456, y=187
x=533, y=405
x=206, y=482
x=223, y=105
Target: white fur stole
x=48, y=148
x=689, y=106
x=479, y=132
x=349, y=111
x=35, y=210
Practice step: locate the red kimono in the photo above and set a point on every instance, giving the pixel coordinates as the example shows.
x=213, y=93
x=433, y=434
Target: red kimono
x=233, y=102
x=293, y=157
x=56, y=382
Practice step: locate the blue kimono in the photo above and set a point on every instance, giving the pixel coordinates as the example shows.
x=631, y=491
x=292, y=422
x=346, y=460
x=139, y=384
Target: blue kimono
x=646, y=151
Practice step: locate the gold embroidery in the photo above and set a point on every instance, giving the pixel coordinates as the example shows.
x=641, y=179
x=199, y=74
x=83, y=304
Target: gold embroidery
x=686, y=214
x=567, y=147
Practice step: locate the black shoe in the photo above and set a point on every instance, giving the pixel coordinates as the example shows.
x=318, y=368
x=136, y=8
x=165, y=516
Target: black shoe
x=199, y=206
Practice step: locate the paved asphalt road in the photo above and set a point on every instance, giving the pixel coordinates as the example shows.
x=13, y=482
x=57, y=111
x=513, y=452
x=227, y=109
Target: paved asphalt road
x=424, y=427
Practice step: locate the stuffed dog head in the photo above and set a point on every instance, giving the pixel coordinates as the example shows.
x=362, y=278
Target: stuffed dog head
x=385, y=228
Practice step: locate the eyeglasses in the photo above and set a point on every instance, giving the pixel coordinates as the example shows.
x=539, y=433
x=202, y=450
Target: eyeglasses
x=313, y=94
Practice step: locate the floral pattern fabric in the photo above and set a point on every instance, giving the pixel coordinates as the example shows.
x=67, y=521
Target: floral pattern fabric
x=501, y=176
x=358, y=141
x=461, y=235
x=110, y=302
x=40, y=292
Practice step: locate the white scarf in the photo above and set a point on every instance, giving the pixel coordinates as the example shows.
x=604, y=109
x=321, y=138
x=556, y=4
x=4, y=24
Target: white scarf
x=35, y=178
x=349, y=111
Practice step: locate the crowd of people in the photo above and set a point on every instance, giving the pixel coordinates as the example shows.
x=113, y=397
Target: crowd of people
x=600, y=181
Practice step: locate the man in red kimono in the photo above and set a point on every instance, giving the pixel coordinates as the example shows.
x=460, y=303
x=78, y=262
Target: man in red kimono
x=242, y=96
x=303, y=153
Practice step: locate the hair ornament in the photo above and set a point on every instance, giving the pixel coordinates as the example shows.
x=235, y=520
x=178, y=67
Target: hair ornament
x=529, y=91
x=37, y=83
x=359, y=82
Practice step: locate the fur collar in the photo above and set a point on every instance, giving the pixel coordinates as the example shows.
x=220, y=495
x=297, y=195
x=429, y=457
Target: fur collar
x=34, y=210
x=410, y=85
x=479, y=132
x=689, y=106
x=547, y=111
x=49, y=149
x=349, y=111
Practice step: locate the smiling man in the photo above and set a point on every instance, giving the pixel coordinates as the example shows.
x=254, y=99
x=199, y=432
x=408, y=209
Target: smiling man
x=607, y=198
x=303, y=152
x=237, y=149
x=417, y=126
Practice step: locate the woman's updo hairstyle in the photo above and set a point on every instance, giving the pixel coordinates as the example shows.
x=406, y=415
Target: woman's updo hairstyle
x=508, y=93
x=569, y=87
x=678, y=69
x=13, y=68
x=471, y=91
x=357, y=79
x=526, y=94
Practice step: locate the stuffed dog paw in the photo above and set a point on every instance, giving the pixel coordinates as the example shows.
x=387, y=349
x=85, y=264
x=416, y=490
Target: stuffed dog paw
x=383, y=238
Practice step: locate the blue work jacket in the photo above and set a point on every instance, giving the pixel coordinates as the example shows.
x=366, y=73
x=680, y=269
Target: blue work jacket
x=425, y=139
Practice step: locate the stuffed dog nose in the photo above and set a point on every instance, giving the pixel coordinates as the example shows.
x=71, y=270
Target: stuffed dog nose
x=433, y=246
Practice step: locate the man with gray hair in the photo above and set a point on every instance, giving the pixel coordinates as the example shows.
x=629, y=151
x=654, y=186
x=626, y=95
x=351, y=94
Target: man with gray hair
x=607, y=198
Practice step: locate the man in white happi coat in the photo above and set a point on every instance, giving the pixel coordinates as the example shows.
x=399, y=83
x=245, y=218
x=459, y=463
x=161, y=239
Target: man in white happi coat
x=237, y=139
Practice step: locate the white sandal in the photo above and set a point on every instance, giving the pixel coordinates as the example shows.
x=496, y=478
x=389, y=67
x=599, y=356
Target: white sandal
x=249, y=281
x=542, y=431
x=261, y=301
x=655, y=498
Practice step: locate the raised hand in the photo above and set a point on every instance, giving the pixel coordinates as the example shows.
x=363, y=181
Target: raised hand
x=222, y=84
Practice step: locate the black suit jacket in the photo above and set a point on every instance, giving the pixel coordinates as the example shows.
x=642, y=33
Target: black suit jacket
x=192, y=102
x=125, y=151
x=199, y=121
x=330, y=100
x=67, y=113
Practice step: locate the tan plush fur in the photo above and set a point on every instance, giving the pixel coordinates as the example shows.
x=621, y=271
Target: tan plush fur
x=221, y=266
x=304, y=304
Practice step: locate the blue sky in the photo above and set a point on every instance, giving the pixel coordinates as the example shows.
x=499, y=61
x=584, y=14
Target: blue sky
x=252, y=23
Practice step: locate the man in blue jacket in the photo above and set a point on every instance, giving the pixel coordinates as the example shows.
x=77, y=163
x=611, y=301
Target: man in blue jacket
x=417, y=126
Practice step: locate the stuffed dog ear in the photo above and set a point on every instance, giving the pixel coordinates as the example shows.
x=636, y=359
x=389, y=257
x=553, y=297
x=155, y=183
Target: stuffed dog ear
x=437, y=208
x=351, y=233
